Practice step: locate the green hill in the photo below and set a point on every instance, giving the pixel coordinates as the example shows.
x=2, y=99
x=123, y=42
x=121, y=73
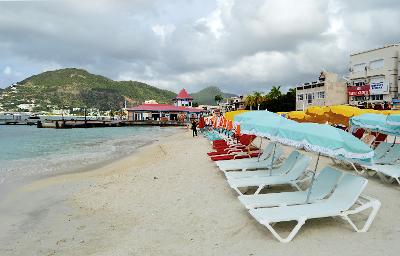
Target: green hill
x=74, y=88
x=207, y=95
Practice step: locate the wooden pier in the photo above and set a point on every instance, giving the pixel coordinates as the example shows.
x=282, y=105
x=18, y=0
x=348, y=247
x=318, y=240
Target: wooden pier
x=69, y=124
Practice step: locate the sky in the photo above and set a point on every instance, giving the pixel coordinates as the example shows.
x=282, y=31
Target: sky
x=240, y=46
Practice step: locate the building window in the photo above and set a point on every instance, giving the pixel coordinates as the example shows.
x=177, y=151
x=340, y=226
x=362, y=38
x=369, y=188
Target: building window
x=321, y=95
x=376, y=64
x=359, y=67
x=300, y=97
x=377, y=97
x=310, y=97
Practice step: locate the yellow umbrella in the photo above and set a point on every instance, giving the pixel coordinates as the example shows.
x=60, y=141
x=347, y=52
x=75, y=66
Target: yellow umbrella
x=230, y=115
x=298, y=116
x=317, y=110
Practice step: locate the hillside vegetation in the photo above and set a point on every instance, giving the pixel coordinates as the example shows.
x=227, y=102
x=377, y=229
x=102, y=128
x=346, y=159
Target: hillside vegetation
x=77, y=88
x=207, y=95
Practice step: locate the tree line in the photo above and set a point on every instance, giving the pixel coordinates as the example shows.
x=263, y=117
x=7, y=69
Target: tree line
x=274, y=100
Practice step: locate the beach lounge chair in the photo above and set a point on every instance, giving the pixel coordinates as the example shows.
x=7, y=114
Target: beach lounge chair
x=381, y=150
x=345, y=200
x=391, y=157
x=388, y=173
x=294, y=177
x=262, y=164
x=358, y=133
x=267, y=151
x=323, y=185
x=283, y=168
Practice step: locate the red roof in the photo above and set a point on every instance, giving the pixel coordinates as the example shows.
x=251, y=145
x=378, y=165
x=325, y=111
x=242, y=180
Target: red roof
x=164, y=108
x=183, y=95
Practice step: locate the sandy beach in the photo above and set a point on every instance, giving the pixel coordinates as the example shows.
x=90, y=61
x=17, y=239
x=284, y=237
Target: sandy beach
x=170, y=199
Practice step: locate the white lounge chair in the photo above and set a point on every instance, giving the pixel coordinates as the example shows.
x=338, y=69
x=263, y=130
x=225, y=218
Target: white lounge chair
x=388, y=173
x=262, y=164
x=323, y=185
x=283, y=168
x=266, y=153
x=391, y=157
x=344, y=201
x=294, y=177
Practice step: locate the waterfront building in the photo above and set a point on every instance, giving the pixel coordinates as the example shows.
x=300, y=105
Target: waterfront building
x=183, y=99
x=374, y=76
x=162, y=112
x=328, y=90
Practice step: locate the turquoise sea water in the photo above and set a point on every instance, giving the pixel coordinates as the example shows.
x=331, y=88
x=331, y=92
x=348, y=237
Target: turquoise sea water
x=27, y=150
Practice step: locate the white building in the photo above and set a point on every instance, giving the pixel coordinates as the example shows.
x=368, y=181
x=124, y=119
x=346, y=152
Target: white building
x=150, y=102
x=328, y=90
x=374, y=76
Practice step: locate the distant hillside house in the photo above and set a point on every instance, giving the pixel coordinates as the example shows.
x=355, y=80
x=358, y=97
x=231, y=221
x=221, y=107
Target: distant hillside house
x=232, y=104
x=150, y=102
x=183, y=99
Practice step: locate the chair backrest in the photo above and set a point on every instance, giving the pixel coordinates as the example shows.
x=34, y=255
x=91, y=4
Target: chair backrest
x=347, y=192
x=380, y=137
x=325, y=182
x=287, y=165
x=359, y=132
x=246, y=139
x=391, y=156
x=381, y=149
x=267, y=151
x=299, y=167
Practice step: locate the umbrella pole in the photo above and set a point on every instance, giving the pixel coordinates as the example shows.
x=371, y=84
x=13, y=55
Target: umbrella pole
x=312, y=180
x=394, y=141
x=272, y=162
x=259, y=152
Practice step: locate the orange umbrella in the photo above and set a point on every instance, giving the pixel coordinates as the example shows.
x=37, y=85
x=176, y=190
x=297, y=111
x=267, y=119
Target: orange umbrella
x=201, y=123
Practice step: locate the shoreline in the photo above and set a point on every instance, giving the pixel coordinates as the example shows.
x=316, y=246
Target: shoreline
x=9, y=187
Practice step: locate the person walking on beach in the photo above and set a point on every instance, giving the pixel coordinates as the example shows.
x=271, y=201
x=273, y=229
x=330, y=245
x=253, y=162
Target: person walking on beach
x=194, y=128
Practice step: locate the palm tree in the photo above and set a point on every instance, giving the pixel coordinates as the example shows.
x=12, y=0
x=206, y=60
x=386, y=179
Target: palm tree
x=275, y=92
x=218, y=98
x=249, y=101
x=258, y=98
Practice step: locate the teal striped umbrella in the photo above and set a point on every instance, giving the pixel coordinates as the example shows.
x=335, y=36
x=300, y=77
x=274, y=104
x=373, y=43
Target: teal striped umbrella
x=377, y=123
x=394, y=120
x=321, y=138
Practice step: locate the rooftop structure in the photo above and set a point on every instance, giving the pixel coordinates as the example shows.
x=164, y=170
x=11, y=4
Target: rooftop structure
x=328, y=90
x=183, y=99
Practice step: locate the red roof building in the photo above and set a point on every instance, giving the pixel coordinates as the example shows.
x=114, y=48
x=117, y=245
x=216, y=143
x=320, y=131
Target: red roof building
x=183, y=99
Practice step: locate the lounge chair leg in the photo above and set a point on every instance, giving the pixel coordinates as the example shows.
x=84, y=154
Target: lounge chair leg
x=385, y=179
x=238, y=191
x=374, y=204
x=292, y=233
x=259, y=189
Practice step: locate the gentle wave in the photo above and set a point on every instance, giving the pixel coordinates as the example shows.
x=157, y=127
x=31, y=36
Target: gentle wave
x=28, y=151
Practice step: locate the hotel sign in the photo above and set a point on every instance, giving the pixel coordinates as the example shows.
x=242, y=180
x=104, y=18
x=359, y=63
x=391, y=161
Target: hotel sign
x=358, y=90
x=378, y=86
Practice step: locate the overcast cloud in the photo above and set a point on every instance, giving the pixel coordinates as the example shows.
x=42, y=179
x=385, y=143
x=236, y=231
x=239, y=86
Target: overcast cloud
x=238, y=45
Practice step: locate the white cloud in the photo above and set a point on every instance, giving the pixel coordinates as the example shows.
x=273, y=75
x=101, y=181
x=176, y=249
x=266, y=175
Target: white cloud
x=237, y=45
x=7, y=71
x=163, y=32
